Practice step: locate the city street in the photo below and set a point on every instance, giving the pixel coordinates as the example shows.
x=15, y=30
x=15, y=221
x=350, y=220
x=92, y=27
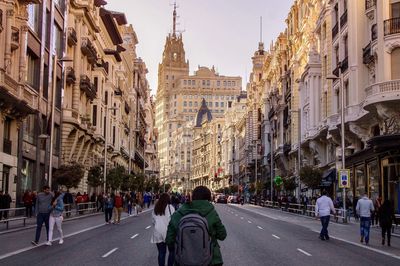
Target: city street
x=256, y=236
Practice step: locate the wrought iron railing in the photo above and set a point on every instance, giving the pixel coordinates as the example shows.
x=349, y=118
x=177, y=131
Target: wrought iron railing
x=392, y=26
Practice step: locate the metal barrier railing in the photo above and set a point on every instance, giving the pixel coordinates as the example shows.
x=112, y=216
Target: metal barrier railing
x=307, y=210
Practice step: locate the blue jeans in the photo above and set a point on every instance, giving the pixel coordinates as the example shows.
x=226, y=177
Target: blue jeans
x=40, y=219
x=365, y=224
x=129, y=209
x=108, y=214
x=162, y=252
x=324, y=223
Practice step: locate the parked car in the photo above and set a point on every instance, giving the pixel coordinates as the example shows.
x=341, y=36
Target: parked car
x=233, y=199
x=221, y=199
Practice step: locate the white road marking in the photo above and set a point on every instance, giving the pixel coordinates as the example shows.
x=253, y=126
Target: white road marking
x=16, y=252
x=109, y=253
x=259, y=227
x=249, y=222
x=241, y=218
x=148, y=227
x=236, y=214
x=134, y=236
x=277, y=237
x=304, y=252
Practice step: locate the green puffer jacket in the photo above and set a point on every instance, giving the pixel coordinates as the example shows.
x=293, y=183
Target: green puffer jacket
x=217, y=229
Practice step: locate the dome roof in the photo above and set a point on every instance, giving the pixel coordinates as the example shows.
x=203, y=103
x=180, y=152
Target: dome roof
x=203, y=114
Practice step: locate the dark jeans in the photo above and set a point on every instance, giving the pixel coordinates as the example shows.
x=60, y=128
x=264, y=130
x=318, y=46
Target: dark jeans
x=108, y=213
x=365, y=224
x=387, y=230
x=28, y=211
x=162, y=252
x=4, y=214
x=129, y=209
x=40, y=219
x=324, y=223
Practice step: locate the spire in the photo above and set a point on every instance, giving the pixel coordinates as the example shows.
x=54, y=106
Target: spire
x=174, y=23
x=261, y=44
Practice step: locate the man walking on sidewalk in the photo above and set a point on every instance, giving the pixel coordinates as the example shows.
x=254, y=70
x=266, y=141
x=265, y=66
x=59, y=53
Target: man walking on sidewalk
x=42, y=211
x=364, y=209
x=323, y=209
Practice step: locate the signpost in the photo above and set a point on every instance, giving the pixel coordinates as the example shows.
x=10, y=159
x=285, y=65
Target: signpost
x=344, y=178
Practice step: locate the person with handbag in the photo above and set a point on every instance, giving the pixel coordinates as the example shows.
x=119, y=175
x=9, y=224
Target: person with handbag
x=161, y=216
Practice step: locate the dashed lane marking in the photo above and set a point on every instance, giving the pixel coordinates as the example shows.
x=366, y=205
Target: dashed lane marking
x=148, y=227
x=259, y=227
x=109, y=253
x=304, y=252
x=134, y=236
x=241, y=218
x=277, y=237
x=236, y=214
x=249, y=222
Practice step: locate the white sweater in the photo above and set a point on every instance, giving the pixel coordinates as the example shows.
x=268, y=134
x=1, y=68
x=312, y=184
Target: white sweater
x=324, y=206
x=160, y=223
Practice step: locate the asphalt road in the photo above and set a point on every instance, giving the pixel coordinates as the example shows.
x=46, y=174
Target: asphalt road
x=252, y=239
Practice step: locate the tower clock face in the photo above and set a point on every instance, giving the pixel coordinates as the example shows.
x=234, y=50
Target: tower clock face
x=175, y=56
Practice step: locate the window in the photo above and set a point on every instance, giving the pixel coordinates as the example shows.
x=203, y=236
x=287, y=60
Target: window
x=336, y=55
x=208, y=83
x=195, y=104
x=204, y=82
x=56, y=140
x=190, y=104
x=57, y=41
x=46, y=81
x=33, y=17
x=218, y=83
x=229, y=83
x=185, y=103
x=224, y=83
x=33, y=70
x=184, y=82
x=29, y=129
x=234, y=84
x=222, y=104
x=94, y=115
x=58, y=93
x=395, y=10
x=174, y=104
x=166, y=77
x=210, y=104
x=395, y=64
x=346, y=93
x=189, y=82
x=346, y=47
x=185, y=110
x=217, y=104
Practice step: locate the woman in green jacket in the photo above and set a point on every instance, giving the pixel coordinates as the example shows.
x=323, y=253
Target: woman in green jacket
x=201, y=204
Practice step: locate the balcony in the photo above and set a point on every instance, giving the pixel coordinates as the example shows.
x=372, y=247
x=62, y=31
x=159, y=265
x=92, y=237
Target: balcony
x=382, y=92
x=7, y=145
x=392, y=26
x=102, y=64
x=343, y=19
x=335, y=31
x=70, y=75
x=374, y=32
x=14, y=38
x=89, y=50
x=367, y=54
x=87, y=87
x=72, y=38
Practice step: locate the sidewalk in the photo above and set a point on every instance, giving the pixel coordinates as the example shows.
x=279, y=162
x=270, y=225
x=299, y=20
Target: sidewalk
x=349, y=233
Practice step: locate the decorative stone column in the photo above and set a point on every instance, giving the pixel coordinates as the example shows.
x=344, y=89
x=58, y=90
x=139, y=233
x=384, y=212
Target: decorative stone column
x=7, y=59
x=77, y=64
x=22, y=56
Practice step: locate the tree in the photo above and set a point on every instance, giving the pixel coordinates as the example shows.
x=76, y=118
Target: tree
x=115, y=177
x=128, y=182
x=95, y=176
x=69, y=175
x=311, y=177
x=152, y=184
x=289, y=183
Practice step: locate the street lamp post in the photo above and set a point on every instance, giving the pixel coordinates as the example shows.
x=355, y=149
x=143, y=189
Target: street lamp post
x=342, y=122
x=299, y=149
x=105, y=147
x=256, y=142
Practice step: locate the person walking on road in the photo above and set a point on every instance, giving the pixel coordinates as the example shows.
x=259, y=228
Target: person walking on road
x=386, y=218
x=200, y=208
x=161, y=216
x=364, y=208
x=108, y=207
x=56, y=216
x=118, y=206
x=42, y=211
x=323, y=208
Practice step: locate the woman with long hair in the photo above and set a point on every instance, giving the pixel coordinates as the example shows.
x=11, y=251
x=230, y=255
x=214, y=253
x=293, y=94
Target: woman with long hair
x=161, y=217
x=56, y=216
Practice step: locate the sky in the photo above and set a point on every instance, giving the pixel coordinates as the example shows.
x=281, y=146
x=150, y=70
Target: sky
x=223, y=33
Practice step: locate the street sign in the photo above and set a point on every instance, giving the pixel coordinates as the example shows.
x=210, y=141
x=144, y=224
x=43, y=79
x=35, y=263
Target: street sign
x=344, y=178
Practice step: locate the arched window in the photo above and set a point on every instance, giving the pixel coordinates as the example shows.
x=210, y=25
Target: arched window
x=396, y=63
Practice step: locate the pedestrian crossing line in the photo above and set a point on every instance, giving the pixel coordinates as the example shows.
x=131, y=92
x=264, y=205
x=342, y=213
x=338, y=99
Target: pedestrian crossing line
x=277, y=237
x=249, y=222
x=304, y=252
x=109, y=253
x=134, y=236
x=148, y=227
x=259, y=227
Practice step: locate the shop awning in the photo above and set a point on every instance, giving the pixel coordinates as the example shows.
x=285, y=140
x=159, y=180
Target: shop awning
x=328, y=177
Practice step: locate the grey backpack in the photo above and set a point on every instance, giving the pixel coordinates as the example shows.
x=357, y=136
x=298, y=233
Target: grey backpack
x=193, y=246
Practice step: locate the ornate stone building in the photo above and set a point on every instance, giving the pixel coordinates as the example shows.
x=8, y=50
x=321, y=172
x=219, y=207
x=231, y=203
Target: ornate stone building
x=30, y=36
x=179, y=95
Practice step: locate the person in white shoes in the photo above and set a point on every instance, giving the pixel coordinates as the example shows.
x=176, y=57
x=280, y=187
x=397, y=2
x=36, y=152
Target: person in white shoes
x=56, y=216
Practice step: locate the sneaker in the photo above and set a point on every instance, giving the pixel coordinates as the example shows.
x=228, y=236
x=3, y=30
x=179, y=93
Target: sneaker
x=48, y=243
x=321, y=237
x=61, y=241
x=34, y=243
x=362, y=239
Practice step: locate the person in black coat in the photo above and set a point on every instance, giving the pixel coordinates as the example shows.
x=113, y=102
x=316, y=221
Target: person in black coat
x=386, y=217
